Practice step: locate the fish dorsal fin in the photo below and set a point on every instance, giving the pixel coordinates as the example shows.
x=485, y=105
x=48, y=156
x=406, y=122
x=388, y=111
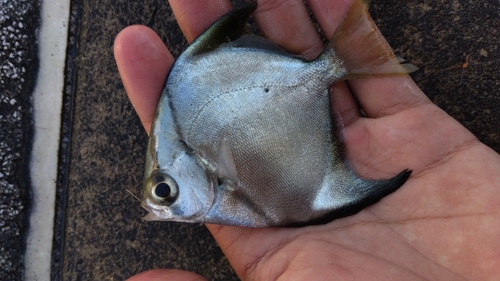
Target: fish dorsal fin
x=228, y=28
x=261, y=43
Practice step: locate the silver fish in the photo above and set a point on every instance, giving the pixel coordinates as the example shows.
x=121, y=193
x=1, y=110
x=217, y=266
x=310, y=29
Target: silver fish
x=244, y=134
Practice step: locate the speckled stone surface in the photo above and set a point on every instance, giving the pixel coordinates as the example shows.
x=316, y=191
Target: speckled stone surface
x=19, y=22
x=104, y=237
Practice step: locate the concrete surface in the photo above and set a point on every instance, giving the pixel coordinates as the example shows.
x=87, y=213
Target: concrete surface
x=47, y=105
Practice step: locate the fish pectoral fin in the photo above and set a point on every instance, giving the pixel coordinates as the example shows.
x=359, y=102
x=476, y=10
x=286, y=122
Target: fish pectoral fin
x=226, y=169
x=362, y=48
x=228, y=28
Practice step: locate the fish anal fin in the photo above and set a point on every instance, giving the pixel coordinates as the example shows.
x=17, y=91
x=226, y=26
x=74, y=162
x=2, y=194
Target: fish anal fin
x=362, y=48
x=228, y=28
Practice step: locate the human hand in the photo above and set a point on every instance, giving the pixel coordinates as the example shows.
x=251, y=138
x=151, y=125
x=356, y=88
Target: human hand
x=442, y=224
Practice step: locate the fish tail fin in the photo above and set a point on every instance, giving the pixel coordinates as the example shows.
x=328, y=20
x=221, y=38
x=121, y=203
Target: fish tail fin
x=362, y=48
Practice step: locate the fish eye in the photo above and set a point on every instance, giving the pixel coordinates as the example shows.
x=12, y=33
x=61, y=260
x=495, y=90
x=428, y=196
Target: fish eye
x=165, y=189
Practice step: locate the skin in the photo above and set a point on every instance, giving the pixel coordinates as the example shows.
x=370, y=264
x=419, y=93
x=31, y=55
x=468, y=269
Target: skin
x=443, y=224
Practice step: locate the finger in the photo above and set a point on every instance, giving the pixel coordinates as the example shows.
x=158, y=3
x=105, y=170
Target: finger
x=246, y=247
x=386, y=96
x=167, y=275
x=329, y=14
x=143, y=62
x=344, y=103
x=195, y=16
x=287, y=23
x=377, y=96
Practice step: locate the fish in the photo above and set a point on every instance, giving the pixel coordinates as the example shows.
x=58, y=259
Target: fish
x=244, y=133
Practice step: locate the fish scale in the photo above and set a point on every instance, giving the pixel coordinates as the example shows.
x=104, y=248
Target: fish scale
x=244, y=134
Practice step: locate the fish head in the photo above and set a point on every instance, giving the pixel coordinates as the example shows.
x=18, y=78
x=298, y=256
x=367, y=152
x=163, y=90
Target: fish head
x=176, y=185
x=176, y=196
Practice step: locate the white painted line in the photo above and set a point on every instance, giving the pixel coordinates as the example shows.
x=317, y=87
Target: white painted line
x=47, y=103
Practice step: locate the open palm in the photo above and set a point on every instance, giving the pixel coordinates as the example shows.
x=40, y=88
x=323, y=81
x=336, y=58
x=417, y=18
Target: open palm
x=443, y=224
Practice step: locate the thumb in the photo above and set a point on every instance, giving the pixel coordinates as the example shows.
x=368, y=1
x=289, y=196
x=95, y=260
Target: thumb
x=143, y=62
x=167, y=275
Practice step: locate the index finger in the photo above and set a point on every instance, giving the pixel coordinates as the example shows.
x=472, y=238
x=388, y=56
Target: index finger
x=194, y=16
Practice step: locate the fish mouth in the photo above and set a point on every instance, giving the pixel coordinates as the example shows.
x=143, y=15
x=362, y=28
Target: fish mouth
x=173, y=212
x=155, y=212
x=158, y=212
x=152, y=216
